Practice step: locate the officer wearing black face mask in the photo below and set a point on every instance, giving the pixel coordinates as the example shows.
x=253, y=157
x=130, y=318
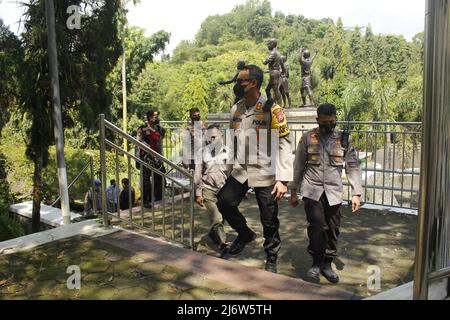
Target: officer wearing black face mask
x=152, y=134
x=193, y=139
x=319, y=160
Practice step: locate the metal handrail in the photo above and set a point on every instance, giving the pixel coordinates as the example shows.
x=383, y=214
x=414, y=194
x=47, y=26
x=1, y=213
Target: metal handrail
x=88, y=164
x=384, y=123
x=145, y=164
x=439, y=274
x=104, y=124
x=145, y=147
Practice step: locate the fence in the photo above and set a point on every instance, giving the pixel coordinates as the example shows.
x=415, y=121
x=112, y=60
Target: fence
x=389, y=155
x=173, y=216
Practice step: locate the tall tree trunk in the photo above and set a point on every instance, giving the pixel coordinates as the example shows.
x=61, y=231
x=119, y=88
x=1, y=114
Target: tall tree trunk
x=37, y=194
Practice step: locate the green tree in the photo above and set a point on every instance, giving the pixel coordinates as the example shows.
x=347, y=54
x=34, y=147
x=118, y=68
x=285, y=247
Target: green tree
x=194, y=96
x=11, y=54
x=85, y=57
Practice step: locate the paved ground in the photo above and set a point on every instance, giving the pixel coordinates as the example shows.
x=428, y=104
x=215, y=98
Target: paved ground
x=123, y=265
x=107, y=272
x=370, y=238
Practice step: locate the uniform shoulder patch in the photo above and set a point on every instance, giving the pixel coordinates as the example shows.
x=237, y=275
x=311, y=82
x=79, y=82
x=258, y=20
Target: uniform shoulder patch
x=279, y=121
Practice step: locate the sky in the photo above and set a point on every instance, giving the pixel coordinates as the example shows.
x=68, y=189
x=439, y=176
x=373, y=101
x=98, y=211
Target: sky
x=182, y=18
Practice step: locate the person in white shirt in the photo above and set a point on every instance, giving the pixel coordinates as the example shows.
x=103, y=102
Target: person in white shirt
x=112, y=193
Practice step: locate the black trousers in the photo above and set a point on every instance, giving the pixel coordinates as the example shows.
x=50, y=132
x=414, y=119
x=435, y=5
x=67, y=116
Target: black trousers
x=158, y=185
x=229, y=198
x=324, y=222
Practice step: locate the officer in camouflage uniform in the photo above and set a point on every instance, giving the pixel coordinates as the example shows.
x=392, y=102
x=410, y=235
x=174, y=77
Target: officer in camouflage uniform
x=320, y=157
x=252, y=116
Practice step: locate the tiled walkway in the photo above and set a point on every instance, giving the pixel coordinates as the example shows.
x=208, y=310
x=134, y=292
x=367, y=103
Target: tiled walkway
x=248, y=279
x=107, y=272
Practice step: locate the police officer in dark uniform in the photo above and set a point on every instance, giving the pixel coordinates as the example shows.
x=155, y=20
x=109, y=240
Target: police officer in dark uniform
x=321, y=155
x=152, y=134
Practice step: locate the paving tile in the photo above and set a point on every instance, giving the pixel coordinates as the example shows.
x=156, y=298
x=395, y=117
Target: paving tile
x=197, y=294
x=93, y=266
x=92, y=292
x=132, y=293
x=148, y=268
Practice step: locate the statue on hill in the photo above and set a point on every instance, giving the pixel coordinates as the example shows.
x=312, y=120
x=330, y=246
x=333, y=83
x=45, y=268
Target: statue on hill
x=240, y=66
x=284, y=83
x=275, y=66
x=306, y=62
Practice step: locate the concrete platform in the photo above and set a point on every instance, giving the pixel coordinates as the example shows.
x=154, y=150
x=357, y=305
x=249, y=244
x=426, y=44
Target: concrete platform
x=49, y=215
x=88, y=228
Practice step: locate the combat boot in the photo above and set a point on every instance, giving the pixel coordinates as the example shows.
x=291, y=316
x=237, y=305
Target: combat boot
x=327, y=271
x=313, y=274
x=271, y=264
x=241, y=241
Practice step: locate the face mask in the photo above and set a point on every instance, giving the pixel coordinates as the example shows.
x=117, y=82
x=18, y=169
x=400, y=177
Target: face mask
x=327, y=128
x=239, y=90
x=196, y=118
x=157, y=121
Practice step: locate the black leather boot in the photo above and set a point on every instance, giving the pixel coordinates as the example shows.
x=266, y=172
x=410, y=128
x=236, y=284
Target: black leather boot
x=241, y=241
x=327, y=271
x=313, y=274
x=271, y=264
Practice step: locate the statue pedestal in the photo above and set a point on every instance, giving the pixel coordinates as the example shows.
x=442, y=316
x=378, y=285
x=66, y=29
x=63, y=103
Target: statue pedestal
x=295, y=115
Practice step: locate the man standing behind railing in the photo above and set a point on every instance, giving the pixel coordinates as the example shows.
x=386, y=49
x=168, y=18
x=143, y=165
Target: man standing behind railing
x=319, y=160
x=112, y=193
x=89, y=199
x=210, y=176
x=193, y=139
x=152, y=134
x=125, y=195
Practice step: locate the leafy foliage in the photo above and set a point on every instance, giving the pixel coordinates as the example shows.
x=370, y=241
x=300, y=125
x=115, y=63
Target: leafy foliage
x=368, y=76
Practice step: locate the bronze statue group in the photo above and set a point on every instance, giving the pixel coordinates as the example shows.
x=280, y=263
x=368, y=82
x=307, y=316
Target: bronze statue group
x=279, y=76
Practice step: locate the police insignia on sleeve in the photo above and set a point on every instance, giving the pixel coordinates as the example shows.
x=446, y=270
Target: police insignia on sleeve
x=279, y=121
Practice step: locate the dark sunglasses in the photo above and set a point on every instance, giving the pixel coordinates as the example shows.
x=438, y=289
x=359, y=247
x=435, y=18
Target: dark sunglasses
x=240, y=80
